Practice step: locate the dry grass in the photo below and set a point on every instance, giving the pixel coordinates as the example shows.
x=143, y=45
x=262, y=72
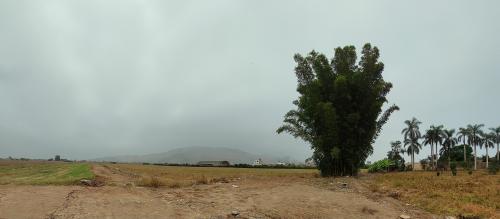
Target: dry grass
x=463, y=195
x=174, y=176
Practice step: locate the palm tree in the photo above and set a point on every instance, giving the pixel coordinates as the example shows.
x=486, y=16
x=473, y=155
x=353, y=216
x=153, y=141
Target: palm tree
x=428, y=140
x=462, y=134
x=412, y=135
x=496, y=133
x=433, y=136
x=475, y=139
x=449, y=142
x=488, y=140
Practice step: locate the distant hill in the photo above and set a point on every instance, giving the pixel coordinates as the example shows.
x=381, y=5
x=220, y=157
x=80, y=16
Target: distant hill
x=193, y=155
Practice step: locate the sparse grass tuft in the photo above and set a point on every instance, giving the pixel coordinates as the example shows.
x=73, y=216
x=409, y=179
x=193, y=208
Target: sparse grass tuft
x=151, y=181
x=174, y=185
x=202, y=180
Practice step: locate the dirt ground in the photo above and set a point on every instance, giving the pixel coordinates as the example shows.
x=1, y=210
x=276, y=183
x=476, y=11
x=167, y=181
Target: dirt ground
x=250, y=198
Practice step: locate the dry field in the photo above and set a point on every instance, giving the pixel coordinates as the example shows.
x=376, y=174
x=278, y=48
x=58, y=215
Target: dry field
x=148, y=191
x=175, y=177
x=467, y=195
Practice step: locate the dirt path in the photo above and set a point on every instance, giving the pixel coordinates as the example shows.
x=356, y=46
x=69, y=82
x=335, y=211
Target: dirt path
x=251, y=198
x=32, y=201
x=112, y=176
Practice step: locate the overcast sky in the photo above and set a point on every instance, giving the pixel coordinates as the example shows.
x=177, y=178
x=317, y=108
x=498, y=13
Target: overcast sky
x=88, y=79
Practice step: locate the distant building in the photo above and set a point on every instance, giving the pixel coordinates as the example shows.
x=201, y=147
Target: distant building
x=214, y=163
x=280, y=163
x=258, y=162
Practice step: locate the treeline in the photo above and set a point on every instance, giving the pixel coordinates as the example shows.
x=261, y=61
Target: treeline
x=241, y=165
x=446, y=152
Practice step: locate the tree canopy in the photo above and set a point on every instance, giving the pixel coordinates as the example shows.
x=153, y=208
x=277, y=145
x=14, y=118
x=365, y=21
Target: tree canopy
x=339, y=109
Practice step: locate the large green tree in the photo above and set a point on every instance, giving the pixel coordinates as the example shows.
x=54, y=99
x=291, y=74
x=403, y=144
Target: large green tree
x=339, y=109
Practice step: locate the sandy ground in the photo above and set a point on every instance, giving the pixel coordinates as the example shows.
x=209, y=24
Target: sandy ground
x=251, y=198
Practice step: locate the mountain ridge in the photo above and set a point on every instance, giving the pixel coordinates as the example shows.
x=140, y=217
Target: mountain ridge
x=193, y=155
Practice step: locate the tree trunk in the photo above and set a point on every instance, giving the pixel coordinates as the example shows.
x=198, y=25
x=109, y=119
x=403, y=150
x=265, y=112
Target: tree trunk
x=432, y=156
x=412, y=160
x=449, y=159
x=498, y=154
x=465, y=154
x=437, y=156
x=487, y=157
x=475, y=158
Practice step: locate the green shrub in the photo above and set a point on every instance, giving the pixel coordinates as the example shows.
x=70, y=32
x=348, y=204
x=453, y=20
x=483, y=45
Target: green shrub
x=493, y=168
x=381, y=166
x=409, y=168
x=453, y=167
x=469, y=170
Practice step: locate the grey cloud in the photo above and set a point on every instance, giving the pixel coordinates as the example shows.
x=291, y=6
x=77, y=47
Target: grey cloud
x=98, y=78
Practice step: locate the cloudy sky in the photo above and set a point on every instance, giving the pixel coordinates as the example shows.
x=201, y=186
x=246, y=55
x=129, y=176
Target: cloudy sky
x=88, y=79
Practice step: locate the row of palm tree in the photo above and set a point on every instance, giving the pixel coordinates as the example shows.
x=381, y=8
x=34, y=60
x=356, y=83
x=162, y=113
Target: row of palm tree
x=437, y=136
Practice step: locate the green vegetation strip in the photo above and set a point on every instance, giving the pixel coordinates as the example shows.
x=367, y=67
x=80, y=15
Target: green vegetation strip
x=44, y=173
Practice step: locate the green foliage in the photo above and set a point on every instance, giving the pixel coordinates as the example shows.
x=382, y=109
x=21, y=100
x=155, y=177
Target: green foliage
x=395, y=155
x=453, y=167
x=426, y=163
x=474, y=138
x=449, y=141
x=339, y=110
x=456, y=153
x=412, y=135
x=493, y=168
x=469, y=170
x=381, y=166
x=433, y=137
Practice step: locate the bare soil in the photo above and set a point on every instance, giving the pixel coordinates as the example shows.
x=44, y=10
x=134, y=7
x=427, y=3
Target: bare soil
x=250, y=198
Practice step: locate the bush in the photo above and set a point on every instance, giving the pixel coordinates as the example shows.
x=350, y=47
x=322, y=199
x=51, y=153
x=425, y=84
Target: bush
x=453, y=167
x=493, y=168
x=469, y=170
x=409, y=168
x=381, y=166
